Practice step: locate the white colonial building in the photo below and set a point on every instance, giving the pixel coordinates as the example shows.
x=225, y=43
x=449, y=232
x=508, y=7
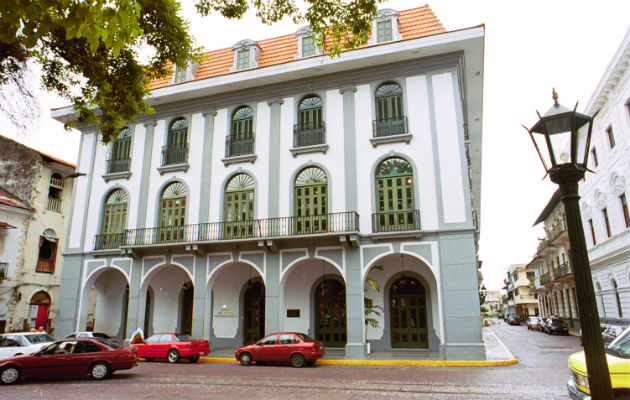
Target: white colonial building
x=273, y=180
x=605, y=194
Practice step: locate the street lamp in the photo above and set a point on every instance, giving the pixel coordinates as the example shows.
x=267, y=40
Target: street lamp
x=567, y=136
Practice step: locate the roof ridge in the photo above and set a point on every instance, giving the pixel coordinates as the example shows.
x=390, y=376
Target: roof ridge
x=41, y=153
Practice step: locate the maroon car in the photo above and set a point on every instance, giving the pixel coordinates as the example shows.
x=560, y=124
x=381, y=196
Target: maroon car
x=172, y=346
x=283, y=347
x=68, y=357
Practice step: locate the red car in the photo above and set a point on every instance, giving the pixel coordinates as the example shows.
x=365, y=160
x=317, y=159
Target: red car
x=172, y=346
x=283, y=347
x=67, y=357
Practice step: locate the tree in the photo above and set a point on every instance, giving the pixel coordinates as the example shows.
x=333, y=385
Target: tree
x=89, y=50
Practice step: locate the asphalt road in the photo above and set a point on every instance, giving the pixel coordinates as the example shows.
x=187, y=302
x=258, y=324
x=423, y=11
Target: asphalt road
x=541, y=373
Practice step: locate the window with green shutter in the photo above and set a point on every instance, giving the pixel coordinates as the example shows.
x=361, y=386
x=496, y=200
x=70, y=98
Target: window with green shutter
x=395, y=203
x=384, y=31
x=119, y=159
x=242, y=60
x=114, y=220
x=308, y=46
x=310, y=128
x=390, y=119
x=180, y=74
x=173, y=212
x=311, y=201
x=176, y=149
x=241, y=140
x=239, y=207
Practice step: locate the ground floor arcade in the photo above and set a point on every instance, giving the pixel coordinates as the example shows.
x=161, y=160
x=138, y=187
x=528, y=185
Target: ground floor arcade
x=394, y=295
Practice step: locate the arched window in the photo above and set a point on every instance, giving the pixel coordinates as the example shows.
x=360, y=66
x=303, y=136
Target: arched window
x=173, y=212
x=114, y=220
x=176, y=149
x=311, y=201
x=55, y=191
x=310, y=128
x=47, y=252
x=119, y=159
x=241, y=140
x=395, y=205
x=613, y=282
x=390, y=119
x=239, y=206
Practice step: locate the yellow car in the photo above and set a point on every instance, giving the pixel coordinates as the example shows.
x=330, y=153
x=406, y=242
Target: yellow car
x=618, y=358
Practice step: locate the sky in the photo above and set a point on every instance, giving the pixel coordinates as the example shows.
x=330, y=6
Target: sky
x=530, y=47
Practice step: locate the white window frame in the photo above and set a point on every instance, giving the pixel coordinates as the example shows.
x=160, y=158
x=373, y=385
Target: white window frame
x=254, y=54
x=303, y=33
x=191, y=70
x=386, y=14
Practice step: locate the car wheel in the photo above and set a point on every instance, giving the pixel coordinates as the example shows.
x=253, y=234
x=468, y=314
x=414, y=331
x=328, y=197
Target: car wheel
x=245, y=359
x=100, y=370
x=149, y=359
x=172, y=356
x=9, y=375
x=194, y=359
x=297, y=360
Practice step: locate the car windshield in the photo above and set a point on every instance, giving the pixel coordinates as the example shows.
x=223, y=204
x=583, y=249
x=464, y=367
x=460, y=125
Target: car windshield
x=40, y=338
x=182, y=337
x=620, y=347
x=305, y=338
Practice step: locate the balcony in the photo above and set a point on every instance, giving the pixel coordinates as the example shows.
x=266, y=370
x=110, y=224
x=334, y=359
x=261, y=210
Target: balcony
x=115, y=166
x=309, y=138
x=545, y=278
x=270, y=228
x=45, y=265
x=562, y=272
x=239, y=150
x=53, y=204
x=174, y=158
x=558, y=233
x=390, y=130
x=396, y=221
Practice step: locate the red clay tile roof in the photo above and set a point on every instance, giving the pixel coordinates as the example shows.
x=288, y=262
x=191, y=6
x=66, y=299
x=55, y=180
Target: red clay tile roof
x=8, y=199
x=412, y=24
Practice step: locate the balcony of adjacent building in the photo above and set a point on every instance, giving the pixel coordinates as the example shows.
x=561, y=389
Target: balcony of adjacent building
x=326, y=229
x=526, y=299
x=563, y=273
x=309, y=138
x=558, y=235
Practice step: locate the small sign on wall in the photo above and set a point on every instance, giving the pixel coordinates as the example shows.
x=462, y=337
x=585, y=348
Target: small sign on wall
x=293, y=313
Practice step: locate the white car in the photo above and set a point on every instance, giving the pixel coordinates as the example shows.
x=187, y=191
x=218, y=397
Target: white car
x=88, y=334
x=15, y=344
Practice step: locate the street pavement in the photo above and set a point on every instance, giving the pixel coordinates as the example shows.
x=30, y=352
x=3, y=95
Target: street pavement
x=541, y=373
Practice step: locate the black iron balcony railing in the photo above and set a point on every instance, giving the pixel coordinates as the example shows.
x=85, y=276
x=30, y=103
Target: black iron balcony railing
x=391, y=126
x=118, y=165
x=545, y=278
x=173, y=155
x=107, y=241
x=238, y=147
x=542, y=244
x=556, y=230
x=217, y=231
x=562, y=270
x=309, y=134
x=396, y=221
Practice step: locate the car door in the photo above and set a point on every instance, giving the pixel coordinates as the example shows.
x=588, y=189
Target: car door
x=163, y=345
x=84, y=354
x=145, y=348
x=8, y=347
x=266, y=348
x=53, y=361
x=284, y=348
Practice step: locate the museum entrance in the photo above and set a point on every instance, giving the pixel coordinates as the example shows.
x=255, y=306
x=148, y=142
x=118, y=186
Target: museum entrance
x=254, y=311
x=407, y=310
x=186, y=308
x=330, y=313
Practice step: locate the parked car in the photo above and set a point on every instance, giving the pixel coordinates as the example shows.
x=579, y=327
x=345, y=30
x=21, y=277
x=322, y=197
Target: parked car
x=172, y=346
x=513, y=320
x=618, y=359
x=532, y=323
x=540, y=325
x=611, y=332
x=292, y=348
x=15, y=344
x=69, y=357
x=556, y=325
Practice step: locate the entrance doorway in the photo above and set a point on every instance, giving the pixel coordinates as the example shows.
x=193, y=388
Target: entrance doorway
x=330, y=313
x=408, y=320
x=254, y=310
x=40, y=303
x=186, y=308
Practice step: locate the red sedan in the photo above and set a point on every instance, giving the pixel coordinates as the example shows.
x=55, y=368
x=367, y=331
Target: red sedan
x=283, y=347
x=68, y=357
x=172, y=346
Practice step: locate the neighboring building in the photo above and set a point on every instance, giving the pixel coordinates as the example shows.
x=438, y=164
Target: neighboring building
x=554, y=284
x=493, y=302
x=605, y=194
x=35, y=200
x=273, y=180
x=520, y=301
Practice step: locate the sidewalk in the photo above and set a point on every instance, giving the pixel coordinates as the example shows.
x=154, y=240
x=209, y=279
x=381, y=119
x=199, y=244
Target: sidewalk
x=497, y=354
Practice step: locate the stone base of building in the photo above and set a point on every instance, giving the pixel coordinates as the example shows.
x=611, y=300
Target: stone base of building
x=356, y=351
x=465, y=351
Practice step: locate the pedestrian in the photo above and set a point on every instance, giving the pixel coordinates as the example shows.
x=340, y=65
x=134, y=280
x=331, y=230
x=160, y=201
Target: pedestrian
x=40, y=329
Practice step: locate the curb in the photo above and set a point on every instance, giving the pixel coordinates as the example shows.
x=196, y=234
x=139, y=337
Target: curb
x=434, y=363
x=575, y=334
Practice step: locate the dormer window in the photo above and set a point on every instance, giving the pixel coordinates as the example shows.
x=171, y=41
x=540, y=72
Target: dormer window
x=184, y=73
x=307, y=46
x=385, y=27
x=246, y=54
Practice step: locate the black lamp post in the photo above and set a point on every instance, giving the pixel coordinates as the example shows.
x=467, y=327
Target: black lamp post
x=567, y=136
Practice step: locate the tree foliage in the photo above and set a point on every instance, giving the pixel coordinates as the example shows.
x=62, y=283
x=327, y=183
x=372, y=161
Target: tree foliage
x=89, y=49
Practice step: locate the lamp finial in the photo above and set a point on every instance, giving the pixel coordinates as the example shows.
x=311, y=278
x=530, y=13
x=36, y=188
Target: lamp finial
x=554, y=96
